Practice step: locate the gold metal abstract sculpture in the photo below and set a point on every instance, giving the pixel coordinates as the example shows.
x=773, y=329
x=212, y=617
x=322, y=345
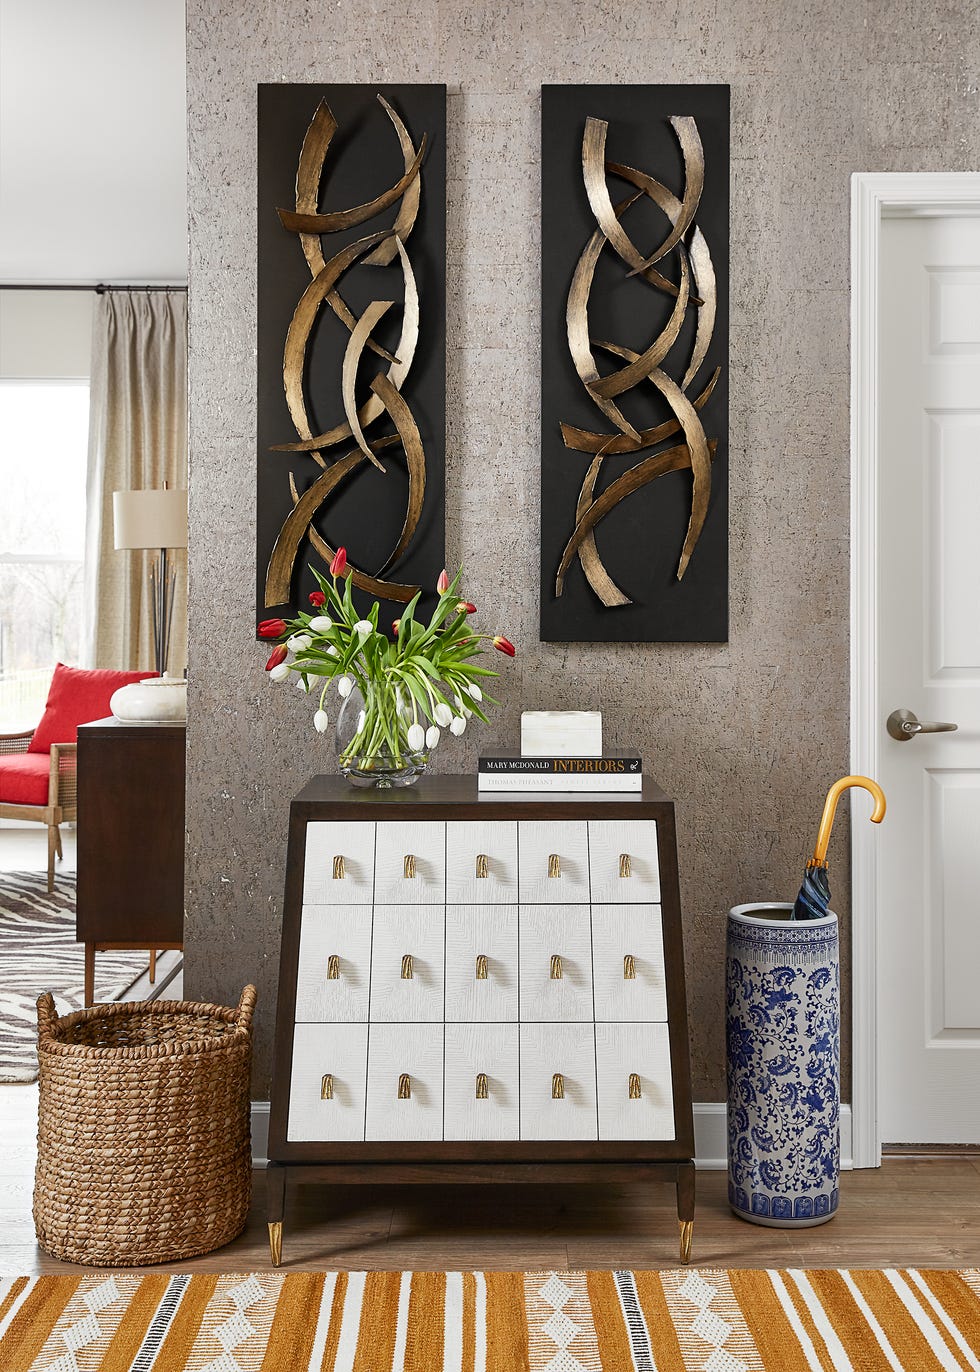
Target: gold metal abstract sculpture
x=384, y=399
x=691, y=286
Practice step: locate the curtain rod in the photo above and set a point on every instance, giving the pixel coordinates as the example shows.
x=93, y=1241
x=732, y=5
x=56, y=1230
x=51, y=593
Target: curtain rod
x=100, y=289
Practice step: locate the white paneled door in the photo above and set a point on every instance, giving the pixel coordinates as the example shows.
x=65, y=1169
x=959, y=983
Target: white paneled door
x=929, y=667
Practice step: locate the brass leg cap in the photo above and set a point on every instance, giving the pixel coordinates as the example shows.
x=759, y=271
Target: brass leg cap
x=687, y=1239
x=275, y=1242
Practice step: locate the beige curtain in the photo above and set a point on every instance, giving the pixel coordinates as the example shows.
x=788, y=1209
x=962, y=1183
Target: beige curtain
x=137, y=439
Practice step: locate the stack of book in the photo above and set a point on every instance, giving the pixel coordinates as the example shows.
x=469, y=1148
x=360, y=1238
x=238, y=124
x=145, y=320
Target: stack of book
x=611, y=773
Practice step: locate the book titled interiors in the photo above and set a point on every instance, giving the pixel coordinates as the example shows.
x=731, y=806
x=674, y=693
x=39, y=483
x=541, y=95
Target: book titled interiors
x=560, y=774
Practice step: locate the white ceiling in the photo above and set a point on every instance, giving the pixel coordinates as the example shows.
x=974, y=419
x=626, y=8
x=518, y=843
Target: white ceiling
x=93, y=136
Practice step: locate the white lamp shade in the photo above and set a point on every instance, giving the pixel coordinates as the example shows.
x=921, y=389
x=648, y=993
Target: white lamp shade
x=150, y=519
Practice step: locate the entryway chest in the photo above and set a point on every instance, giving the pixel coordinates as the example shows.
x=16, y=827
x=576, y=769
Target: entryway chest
x=481, y=989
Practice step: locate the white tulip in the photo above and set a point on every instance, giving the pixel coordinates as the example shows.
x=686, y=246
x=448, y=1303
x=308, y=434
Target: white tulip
x=332, y=651
x=364, y=628
x=474, y=691
x=321, y=624
x=458, y=726
x=320, y=721
x=279, y=672
x=443, y=714
x=299, y=642
x=345, y=685
x=303, y=684
x=432, y=736
x=416, y=738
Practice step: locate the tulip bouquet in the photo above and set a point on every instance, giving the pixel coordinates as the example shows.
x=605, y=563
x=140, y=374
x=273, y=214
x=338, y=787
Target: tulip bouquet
x=397, y=693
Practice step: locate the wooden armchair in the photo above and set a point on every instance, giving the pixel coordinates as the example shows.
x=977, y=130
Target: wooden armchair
x=37, y=767
x=54, y=770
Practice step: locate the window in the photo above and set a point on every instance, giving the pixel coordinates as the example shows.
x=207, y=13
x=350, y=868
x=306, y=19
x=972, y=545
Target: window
x=43, y=447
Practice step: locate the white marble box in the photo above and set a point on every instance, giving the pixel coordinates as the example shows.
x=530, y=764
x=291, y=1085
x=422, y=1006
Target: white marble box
x=561, y=733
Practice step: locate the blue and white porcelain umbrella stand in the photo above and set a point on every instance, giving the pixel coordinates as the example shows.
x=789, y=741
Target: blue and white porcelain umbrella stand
x=783, y=1030
x=783, y=1038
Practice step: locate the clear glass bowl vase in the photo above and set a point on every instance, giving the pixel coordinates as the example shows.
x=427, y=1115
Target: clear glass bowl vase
x=372, y=739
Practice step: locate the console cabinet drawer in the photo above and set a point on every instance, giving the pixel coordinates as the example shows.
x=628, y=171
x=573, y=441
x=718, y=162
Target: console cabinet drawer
x=628, y=962
x=624, y=862
x=558, y=1083
x=404, y=1082
x=410, y=864
x=481, y=963
x=326, y=1089
x=339, y=864
x=555, y=963
x=640, y=1052
x=482, y=1081
x=334, y=964
x=481, y=863
x=553, y=862
x=407, y=960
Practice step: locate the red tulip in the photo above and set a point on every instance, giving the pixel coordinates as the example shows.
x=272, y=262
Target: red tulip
x=339, y=564
x=278, y=654
x=271, y=628
x=504, y=645
x=443, y=583
x=465, y=607
x=395, y=626
x=317, y=598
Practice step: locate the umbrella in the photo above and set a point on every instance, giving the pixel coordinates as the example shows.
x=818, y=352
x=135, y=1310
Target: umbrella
x=813, y=902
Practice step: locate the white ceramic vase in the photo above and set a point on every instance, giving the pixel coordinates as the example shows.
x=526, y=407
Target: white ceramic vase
x=157, y=700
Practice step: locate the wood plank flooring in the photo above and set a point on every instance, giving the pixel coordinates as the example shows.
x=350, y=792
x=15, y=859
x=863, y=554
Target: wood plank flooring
x=908, y=1213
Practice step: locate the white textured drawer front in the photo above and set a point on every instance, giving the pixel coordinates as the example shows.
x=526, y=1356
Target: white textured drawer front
x=339, y=942
x=407, y=963
x=566, y=1108
x=628, y=938
x=555, y=963
x=553, y=862
x=405, y=1082
x=339, y=864
x=403, y=849
x=481, y=1081
x=481, y=863
x=481, y=939
x=624, y=863
x=643, y=1051
x=332, y=1110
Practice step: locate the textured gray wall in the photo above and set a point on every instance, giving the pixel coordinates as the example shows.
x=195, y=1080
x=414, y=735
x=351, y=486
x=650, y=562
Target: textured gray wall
x=746, y=737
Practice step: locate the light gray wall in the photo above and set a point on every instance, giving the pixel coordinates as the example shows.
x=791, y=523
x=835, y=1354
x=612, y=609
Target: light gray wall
x=746, y=737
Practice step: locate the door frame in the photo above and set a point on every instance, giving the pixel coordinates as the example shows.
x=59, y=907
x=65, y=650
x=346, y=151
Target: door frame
x=874, y=196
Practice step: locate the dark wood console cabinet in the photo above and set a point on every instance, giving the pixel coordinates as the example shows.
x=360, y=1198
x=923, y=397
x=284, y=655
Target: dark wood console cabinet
x=130, y=846
x=481, y=988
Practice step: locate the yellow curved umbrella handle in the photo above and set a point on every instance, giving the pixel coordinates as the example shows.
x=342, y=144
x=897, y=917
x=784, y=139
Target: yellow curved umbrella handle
x=819, y=858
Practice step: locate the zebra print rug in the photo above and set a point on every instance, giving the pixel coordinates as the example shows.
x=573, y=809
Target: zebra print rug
x=38, y=953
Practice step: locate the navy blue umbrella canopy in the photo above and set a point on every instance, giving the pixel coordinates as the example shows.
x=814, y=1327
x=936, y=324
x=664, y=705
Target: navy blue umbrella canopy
x=813, y=902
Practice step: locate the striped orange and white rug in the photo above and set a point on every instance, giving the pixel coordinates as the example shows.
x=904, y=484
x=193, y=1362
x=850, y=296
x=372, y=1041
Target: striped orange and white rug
x=672, y=1321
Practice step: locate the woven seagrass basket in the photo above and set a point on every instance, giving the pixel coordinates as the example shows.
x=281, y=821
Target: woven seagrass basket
x=144, y=1148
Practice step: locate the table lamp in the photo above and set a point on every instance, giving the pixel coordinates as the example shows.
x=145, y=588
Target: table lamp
x=154, y=519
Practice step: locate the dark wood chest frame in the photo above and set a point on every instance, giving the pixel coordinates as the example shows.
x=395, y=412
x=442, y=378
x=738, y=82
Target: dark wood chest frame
x=331, y=799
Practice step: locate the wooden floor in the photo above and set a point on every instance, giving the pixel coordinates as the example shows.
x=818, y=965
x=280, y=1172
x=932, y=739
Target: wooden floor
x=908, y=1213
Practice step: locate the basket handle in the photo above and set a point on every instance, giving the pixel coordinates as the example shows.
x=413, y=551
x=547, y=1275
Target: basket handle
x=47, y=1015
x=246, y=1006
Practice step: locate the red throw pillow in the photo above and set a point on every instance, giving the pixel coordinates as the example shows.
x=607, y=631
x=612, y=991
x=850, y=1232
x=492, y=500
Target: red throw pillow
x=77, y=696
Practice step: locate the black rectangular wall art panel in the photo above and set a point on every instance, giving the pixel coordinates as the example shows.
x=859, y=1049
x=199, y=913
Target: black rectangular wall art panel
x=351, y=340
x=634, y=363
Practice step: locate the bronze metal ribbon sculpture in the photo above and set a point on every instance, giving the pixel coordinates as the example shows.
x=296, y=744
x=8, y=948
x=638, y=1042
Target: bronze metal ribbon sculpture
x=695, y=288
x=376, y=249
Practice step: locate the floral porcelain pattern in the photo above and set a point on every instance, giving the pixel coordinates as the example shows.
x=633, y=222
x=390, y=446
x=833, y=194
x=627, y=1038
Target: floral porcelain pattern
x=783, y=1035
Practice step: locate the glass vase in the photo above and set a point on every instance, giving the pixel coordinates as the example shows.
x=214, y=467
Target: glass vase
x=372, y=738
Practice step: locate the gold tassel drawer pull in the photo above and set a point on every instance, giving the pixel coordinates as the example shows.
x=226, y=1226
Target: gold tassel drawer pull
x=408, y=967
x=625, y=866
x=339, y=870
x=557, y=971
x=333, y=967
x=404, y=1087
x=554, y=865
x=326, y=1086
x=409, y=866
x=635, y=1092
x=557, y=1086
x=482, y=1086
x=482, y=865
x=629, y=967
x=482, y=967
